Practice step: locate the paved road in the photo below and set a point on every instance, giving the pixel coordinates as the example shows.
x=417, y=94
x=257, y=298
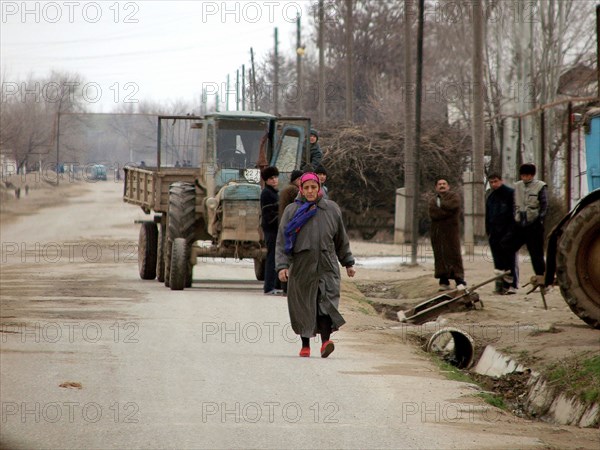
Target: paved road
x=214, y=366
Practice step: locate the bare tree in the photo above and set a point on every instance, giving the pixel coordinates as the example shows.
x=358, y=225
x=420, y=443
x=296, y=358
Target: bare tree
x=528, y=48
x=30, y=110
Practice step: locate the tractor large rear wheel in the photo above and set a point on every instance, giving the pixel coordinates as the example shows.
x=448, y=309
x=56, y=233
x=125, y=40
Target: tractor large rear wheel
x=578, y=264
x=181, y=223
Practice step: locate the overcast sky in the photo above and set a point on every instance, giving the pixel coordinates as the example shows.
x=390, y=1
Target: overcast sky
x=138, y=50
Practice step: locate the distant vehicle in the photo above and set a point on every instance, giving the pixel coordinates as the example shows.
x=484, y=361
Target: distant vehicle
x=98, y=172
x=217, y=202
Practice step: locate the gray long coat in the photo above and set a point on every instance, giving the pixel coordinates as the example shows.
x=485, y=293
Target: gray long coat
x=313, y=266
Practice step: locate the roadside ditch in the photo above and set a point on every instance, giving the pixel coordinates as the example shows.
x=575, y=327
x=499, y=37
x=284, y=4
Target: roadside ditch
x=507, y=359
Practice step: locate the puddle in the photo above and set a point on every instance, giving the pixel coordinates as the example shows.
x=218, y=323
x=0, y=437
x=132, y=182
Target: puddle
x=368, y=262
x=388, y=262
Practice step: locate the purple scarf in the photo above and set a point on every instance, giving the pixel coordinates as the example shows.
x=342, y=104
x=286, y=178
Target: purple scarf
x=302, y=215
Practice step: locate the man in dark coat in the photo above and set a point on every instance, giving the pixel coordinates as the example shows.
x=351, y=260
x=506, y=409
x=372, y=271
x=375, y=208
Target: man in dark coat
x=269, y=204
x=500, y=228
x=311, y=244
x=444, y=212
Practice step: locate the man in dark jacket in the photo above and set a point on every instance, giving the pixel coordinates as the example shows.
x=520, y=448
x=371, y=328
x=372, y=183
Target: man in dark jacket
x=500, y=227
x=269, y=204
x=444, y=212
x=531, y=207
x=316, y=154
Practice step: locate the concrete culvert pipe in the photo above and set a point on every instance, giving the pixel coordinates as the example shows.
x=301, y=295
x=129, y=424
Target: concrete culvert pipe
x=453, y=346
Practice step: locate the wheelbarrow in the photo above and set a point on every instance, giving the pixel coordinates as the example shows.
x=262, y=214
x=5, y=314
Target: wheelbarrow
x=448, y=301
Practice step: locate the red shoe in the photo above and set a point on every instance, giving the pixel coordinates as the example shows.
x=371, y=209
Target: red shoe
x=305, y=352
x=327, y=348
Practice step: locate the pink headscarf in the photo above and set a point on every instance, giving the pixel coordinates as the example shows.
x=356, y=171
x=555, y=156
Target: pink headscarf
x=310, y=176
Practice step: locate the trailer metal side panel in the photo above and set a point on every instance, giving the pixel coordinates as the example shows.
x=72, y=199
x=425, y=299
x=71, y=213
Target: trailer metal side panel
x=149, y=188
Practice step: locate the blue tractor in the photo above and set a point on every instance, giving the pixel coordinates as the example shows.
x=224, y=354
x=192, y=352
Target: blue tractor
x=573, y=254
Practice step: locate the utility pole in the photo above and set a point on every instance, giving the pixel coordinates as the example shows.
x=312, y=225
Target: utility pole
x=237, y=90
x=57, y=145
x=202, y=104
x=543, y=144
x=477, y=125
x=244, y=87
x=410, y=209
x=321, y=43
x=253, y=102
x=253, y=79
x=418, y=101
x=276, y=77
x=227, y=95
x=349, y=60
x=569, y=157
x=299, y=54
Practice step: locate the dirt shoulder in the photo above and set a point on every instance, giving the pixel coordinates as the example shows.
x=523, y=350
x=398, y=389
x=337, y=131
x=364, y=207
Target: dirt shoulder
x=516, y=325
x=23, y=195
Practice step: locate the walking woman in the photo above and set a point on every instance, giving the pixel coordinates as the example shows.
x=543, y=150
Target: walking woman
x=310, y=242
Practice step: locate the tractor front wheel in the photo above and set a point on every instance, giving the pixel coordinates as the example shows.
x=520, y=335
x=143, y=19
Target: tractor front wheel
x=147, y=248
x=180, y=273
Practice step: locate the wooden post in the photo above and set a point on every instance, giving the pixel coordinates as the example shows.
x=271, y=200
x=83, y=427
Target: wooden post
x=276, y=77
x=477, y=125
x=299, y=52
x=349, y=58
x=519, y=158
x=418, y=103
x=321, y=44
x=411, y=210
x=569, y=156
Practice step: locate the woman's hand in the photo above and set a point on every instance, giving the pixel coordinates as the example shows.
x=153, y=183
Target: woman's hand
x=283, y=275
x=351, y=271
